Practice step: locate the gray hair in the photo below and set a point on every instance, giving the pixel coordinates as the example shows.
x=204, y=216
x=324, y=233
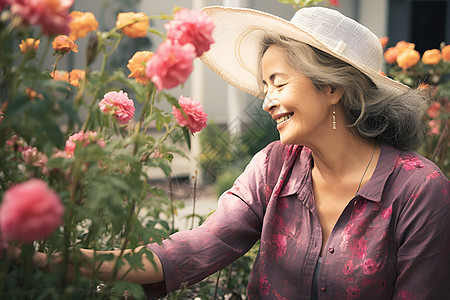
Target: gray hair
x=374, y=114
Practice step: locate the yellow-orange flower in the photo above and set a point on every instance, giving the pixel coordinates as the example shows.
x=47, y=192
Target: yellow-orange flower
x=32, y=94
x=408, y=58
x=137, y=66
x=75, y=76
x=431, y=57
x=29, y=44
x=403, y=46
x=82, y=24
x=60, y=76
x=445, y=51
x=384, y=40
x=132, y=24
x=64, y=44
x=390, y=55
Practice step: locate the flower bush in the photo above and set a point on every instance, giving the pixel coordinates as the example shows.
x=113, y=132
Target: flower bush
x=75, y=146
x=431, y=72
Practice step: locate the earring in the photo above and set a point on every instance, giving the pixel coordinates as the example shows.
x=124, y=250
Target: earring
x=334, y=118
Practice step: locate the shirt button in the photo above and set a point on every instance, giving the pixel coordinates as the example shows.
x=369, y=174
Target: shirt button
x=331, y=250
x=323, y=289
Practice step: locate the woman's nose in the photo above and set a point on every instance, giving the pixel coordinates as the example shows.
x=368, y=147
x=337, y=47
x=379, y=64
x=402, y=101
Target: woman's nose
x=268, y=103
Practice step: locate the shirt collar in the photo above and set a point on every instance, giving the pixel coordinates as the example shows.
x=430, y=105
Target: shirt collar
x=372, y=190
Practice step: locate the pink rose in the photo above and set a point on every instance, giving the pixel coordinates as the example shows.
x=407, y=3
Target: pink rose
x=30, y=211
x=3, y=4
x=370, y=266
x=435, y=127
x=81, y=137
x=191, y=26
x=349, y=267
x=52, y=15
x=171, y=64
x=433, y=110
x=358, y=247
x=118, y=104
x=196, y=117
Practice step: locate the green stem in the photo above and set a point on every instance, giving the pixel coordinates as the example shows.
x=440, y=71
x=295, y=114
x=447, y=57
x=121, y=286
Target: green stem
x=128, y=229
x=5, y=264
x=58, y=58
x=194, y=199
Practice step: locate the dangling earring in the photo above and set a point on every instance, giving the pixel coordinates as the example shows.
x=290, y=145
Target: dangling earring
x=334, y=118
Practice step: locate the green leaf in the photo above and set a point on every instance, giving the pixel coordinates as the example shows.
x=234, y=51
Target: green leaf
x=187, y=136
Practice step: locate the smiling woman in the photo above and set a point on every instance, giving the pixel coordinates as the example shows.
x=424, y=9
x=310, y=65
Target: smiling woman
x=342, y=205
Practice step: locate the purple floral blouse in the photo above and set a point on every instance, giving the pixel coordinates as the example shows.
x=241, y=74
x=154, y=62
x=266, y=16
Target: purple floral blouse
x=392, y=241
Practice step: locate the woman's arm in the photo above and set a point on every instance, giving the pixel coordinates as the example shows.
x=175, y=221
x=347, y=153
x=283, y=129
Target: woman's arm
x=151, y=272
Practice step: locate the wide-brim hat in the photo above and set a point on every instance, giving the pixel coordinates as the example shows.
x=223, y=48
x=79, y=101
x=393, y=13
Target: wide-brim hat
x=238, y=34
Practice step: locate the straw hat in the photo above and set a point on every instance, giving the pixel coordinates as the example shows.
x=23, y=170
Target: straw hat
x=238, y=33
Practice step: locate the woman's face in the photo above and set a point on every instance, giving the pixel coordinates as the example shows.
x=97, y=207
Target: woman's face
x=302, y=113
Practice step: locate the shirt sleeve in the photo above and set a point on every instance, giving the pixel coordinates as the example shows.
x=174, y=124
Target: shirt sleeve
x=423, y=239
x=190, y=256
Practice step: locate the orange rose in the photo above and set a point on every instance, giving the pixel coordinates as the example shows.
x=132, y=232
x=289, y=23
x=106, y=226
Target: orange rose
x=137, y=66
x=29, y=44
x=390, y=55
x=64, y=44
x=75, y=76
x=82, y=24
x=403, y=45
x=446, y=53
x=384, y=40
x=32, y=94
x=408, y=58
x=431, y=57
x=133, y=25
x=60, y=76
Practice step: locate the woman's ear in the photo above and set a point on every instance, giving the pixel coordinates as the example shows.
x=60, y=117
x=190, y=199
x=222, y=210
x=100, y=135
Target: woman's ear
x=335, y=93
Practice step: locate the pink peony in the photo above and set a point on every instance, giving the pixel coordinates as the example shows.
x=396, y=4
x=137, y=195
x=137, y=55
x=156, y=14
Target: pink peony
x=196, y=117
x=3, y=4
x=52, y=15
x=191, y=26
x=171, y=64
x=81, y=137
x=30, y=211
x=118, y=104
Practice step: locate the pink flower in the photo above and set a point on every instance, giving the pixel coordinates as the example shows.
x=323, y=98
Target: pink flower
x=52, y=15
x=171, y=64
x=435, y=127
x=349, y=267
x=353, y=292
x=370, y=266
x=83, y=138
x=196, y=117
x=191, y=26
x=334, y=2
x=3, y=4
x=118, y=104
x=358, y=247
x=30, y=211
x=433, y=110
x=410, y=162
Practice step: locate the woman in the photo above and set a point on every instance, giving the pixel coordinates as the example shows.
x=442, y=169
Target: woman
x=342, y=206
